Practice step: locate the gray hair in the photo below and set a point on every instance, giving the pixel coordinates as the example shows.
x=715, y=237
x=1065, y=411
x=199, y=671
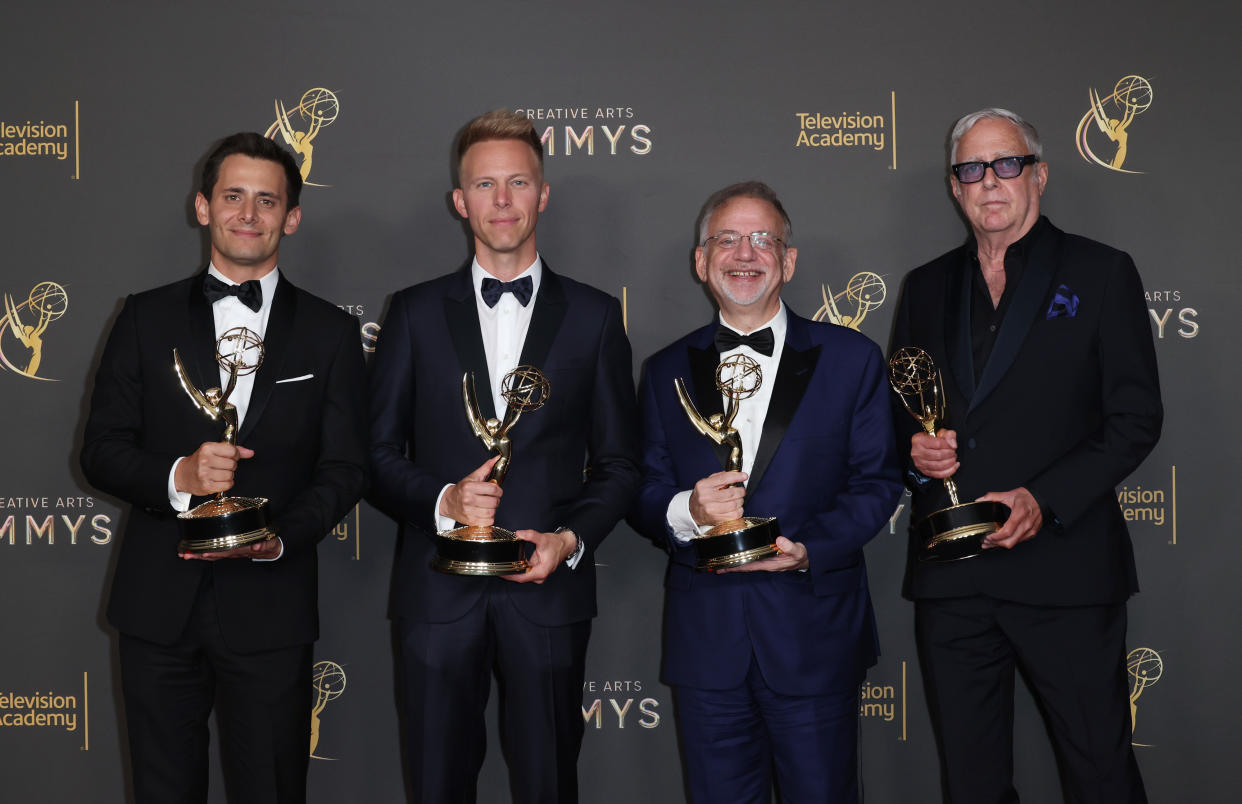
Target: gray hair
x=746, y=189
x=965, y=123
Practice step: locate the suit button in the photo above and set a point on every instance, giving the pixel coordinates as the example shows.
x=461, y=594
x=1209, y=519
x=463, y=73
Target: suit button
x=970, y=444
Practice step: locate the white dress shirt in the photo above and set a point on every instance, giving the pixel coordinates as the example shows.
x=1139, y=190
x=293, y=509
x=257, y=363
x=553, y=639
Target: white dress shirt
x=749, y=421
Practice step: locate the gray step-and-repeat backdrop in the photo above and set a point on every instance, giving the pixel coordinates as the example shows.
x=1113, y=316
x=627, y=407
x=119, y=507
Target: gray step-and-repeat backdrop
x=645, y=108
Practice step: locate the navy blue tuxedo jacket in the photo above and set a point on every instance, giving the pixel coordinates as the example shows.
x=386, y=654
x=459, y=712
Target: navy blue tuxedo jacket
x=826, y=467
x=1067, y=406
x=575, y=460
x=309, y=438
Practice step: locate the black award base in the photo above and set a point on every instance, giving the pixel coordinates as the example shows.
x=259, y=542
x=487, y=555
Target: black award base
x=224, y=523
x=732, y=544
x=958, y=531
x=480, y=550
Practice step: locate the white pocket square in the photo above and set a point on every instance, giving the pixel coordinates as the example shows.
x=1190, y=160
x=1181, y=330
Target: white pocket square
x=296, y=379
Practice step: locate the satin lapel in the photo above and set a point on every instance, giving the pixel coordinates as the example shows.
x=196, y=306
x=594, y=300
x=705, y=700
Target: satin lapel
x=793, y=375
x=958, y=287
x=461, y=314
x=199, y=355
x=1027, y=304
x=545, y=321
x=702, y=385
x=277, y=341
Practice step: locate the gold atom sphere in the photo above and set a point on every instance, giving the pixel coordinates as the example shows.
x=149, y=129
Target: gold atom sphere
x=328, y=678
x=911, y=370
x=739, y=377
x=49, y=300
x=241, y=349
x=525, y=388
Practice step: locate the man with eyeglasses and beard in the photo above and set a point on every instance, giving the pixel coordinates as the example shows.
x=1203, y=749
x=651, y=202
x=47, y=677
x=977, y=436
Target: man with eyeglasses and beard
x=1049, y=371
x=766, y=658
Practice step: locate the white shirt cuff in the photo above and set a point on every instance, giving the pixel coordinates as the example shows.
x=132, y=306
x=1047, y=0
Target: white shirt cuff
x=274, y=558
x=575, y=558
x=179, y=500
x=443, y=522
x=679, y=520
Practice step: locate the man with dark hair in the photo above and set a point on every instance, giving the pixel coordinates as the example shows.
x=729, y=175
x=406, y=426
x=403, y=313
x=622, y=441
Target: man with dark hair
x=1049, y=372
x=255, y=146
x=230, y=629
x=766, y=658
x=574, y=474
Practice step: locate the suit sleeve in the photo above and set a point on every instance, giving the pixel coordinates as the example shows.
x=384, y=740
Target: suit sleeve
x=1131, y=410
x=612, y=472
x=339, y=477
x=402, y=488
x=115, y=457
x=659, y=484
x=835, y=537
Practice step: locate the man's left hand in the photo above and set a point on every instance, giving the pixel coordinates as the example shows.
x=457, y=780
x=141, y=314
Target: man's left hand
x=550, y=550
x=792, y=556
x=1025, y=518
x=269, y=549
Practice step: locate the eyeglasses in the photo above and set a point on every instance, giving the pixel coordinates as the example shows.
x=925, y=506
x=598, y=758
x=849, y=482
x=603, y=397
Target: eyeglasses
x=1007, y=167
x=759, y=241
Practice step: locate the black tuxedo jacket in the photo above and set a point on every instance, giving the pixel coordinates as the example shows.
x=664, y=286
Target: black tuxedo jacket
x=306, y=424
x=575, y=460
x=1067, y=406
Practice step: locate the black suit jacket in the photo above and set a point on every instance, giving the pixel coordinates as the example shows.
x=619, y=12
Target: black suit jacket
x=1067, y=406
x=309, y=438
x=575, y=460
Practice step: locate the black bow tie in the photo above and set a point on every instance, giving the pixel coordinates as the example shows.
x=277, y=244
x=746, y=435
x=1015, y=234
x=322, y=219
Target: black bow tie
x=492, y=289
x=249, y=293
x=762, y=341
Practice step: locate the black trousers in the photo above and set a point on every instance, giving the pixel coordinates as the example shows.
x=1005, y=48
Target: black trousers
x=446, y=673
x=262, y=703
x=1075, y=662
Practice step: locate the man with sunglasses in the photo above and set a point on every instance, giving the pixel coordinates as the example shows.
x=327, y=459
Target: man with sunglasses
x=1049, y=371
x=766, y=658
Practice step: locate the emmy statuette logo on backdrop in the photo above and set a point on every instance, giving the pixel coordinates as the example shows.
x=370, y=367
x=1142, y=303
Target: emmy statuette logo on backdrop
x=317, y=109
x=1111, y=117
x=23, y=325
x=327, y=683
x=865, y=291
x=1145, y=667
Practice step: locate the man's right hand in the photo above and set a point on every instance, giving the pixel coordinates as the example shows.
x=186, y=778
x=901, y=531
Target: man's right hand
x=210, y=469
x=473, y=500
x=718, y=498
x=935, y=456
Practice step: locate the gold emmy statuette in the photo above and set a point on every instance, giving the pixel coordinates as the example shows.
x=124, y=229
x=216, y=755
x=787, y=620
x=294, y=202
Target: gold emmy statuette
x=225, y=522
x=738, y=541
x=957, y=531
x=490, y=549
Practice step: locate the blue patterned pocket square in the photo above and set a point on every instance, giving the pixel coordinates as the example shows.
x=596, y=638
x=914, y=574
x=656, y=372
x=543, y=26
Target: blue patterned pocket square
x=1064, y=304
